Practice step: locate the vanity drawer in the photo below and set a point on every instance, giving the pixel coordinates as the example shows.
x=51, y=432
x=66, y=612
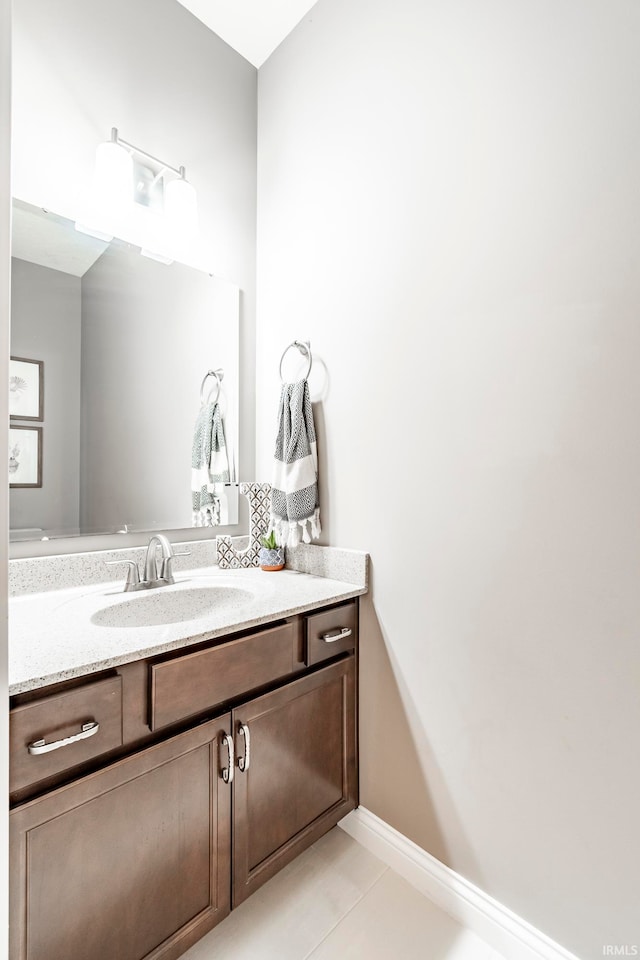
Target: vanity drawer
x=330, y=633
x=197, y=681
x=58, y=721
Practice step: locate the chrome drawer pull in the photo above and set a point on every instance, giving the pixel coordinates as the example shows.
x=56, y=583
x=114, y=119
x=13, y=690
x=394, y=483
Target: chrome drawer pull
x=227, y=773
x=243, y=762
x=41, y=746
x=338, y=634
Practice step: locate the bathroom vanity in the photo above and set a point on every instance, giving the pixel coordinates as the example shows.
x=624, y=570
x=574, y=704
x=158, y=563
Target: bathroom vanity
x=152, y=796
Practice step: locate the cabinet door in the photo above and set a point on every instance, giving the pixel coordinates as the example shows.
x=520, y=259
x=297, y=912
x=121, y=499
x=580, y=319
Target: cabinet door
x=301, y=777
x=131, y=862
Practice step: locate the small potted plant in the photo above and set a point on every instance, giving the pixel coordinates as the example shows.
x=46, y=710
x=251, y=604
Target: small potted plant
x=271, y=555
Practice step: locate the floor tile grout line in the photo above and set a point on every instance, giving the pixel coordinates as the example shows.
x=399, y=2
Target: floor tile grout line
x=366, y=893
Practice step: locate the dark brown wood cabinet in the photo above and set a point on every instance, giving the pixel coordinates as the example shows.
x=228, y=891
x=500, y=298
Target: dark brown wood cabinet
x=140, y=856
x=130, y=862
x=301, y=777
x=62, y=715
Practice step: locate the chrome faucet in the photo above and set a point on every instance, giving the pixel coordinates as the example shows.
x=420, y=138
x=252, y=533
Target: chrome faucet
x=154, y=575
x=151, y=572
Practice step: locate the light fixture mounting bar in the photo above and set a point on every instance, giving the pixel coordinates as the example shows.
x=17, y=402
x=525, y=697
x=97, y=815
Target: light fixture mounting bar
x=180, y=171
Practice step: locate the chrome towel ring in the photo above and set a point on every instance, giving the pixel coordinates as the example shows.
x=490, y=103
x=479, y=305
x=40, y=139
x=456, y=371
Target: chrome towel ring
x=219, y=375
x=304, y=346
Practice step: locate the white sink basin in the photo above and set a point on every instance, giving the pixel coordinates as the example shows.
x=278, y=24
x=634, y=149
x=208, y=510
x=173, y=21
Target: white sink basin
x=165, y=605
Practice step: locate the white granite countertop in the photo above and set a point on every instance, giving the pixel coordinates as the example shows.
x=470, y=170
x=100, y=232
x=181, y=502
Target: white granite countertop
x=60, y=634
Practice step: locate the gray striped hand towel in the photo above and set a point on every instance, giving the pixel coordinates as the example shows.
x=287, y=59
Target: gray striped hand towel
x=209, y=466
x=295, y=509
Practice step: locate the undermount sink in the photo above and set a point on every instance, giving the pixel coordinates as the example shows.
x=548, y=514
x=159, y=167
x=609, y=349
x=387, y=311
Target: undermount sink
x=163, y=606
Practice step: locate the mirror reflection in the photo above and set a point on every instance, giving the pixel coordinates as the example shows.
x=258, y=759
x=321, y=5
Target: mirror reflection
x=110, y=350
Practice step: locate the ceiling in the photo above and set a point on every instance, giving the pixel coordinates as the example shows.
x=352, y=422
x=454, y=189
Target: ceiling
x=252, y=27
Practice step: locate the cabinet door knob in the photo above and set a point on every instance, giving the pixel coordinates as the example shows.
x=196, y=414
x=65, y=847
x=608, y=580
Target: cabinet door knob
x=243, y=762
x=41, y=746
x=338, y=634
x=227, y=773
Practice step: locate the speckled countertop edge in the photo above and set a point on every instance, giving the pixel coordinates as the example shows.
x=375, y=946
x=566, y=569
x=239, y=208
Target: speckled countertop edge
x=46, y=646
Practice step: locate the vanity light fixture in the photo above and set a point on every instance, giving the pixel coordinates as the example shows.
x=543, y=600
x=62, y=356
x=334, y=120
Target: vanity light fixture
x=131, y=186
x=114, y=174
x=180, y=204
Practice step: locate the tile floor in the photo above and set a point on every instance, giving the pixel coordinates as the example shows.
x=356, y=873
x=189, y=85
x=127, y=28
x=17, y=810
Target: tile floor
x=338, y=902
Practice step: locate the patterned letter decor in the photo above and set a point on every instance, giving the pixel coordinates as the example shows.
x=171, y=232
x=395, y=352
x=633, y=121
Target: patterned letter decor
x=259, y=497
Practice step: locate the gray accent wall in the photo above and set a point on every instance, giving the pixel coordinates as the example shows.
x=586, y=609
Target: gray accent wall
x=46, y=325
x=449, y=210
x=138, y=417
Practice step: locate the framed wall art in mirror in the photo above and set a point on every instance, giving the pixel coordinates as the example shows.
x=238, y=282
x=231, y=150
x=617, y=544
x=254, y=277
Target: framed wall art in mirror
x=126, y=341
x=25, y=457
x=26, y=389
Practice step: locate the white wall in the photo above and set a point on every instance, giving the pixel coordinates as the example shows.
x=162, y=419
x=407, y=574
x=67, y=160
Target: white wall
x=5, y=314
x=171, y=86
x=449, y=209
x=45, y=325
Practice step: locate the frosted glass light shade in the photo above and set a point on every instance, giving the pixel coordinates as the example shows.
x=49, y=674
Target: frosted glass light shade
x=181, y=208
x=114, y=177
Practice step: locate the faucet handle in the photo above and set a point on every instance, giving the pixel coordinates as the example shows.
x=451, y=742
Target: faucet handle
x=133, y=574
x=166, y=571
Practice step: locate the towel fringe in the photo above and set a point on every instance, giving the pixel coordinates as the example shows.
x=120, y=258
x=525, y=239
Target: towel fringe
x=294, y=534
x=208, y=516
x=291, y=533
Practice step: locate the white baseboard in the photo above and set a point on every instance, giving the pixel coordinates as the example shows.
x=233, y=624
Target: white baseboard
x=506, y=932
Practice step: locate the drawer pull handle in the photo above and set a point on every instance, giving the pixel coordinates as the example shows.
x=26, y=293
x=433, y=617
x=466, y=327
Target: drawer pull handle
x=227, y=773
x=243, y=762
x=338, y=634
x=41, y=746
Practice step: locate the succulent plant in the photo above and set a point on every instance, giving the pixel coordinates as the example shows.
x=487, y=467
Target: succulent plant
x=269, y=542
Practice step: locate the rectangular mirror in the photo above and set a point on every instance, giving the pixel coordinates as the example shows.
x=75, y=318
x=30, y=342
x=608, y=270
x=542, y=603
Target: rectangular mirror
x=110, y=350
